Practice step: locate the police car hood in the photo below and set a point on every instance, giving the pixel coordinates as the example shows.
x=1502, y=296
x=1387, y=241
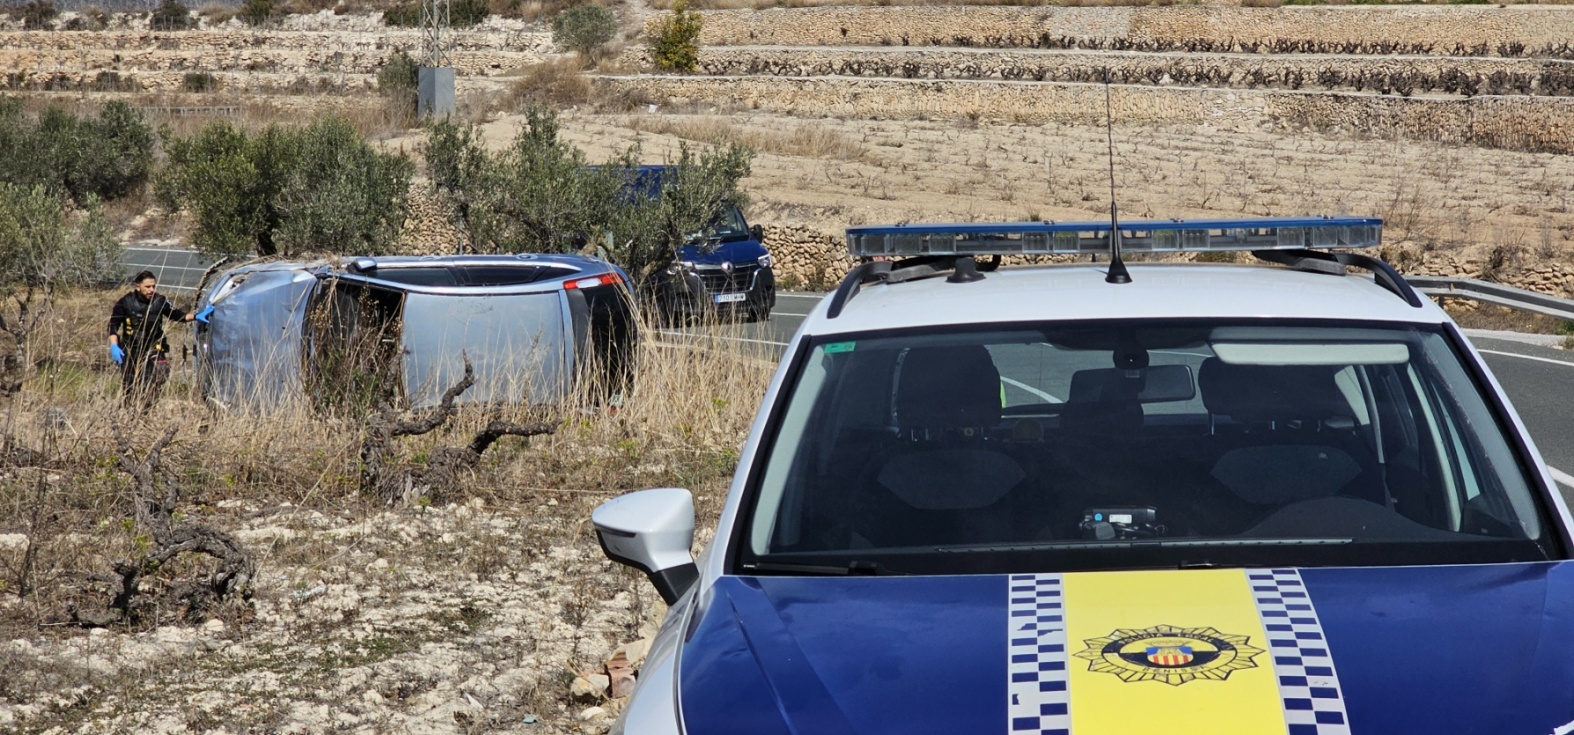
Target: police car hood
x=1393, y=651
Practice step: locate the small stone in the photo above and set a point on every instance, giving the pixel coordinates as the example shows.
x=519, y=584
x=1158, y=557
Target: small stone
x=589, y=687
x=592, y=713
x=635, y=652
x=372, y=697
x=377, y=566
x=214, y=625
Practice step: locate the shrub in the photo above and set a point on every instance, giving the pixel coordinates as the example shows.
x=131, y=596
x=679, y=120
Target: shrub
x=396, y=80
x=554, y=82
x=398, y=75
x=403, y=15
x=103, y=158
x=674, y=44
x=43, y=248
x=466, y=13
x=199, y=81
x=286, y=191
x=170, y=15
x=341, y=195
x=539, y=196
x=257, y=12
x=584, y=29
x=38, y=15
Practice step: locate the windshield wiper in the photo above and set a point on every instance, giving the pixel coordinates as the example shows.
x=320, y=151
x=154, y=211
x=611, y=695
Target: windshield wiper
x=1141, y=543
x=854, y=567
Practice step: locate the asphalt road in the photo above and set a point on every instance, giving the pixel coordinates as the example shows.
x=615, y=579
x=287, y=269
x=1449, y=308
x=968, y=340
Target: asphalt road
x=176, y=269
x=1539, y=380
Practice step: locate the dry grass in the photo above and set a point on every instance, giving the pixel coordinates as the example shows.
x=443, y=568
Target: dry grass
x=680, y=424
x=556, y=82
x=806, y=140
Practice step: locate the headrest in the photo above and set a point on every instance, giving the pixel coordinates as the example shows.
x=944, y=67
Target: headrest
x=1259, y=393
x=947, y=387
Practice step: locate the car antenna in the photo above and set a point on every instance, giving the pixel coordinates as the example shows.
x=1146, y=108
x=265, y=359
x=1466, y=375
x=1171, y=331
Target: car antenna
x=1117, y=267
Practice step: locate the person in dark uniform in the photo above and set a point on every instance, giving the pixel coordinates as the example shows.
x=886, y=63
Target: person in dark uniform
x=136, y=339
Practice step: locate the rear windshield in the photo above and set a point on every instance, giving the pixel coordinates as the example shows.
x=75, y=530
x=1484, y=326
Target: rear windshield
x=1124, y=446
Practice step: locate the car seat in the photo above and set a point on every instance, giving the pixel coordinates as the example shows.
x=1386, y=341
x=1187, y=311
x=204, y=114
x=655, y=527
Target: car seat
x=1112, y=458
x=945, y=480
x=1293, y=437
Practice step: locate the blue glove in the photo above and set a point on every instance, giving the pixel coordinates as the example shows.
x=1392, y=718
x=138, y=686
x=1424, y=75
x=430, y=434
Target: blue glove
x=202, y=316
x=117, y=354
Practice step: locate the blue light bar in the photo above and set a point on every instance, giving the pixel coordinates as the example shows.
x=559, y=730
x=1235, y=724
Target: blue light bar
x=1138, y=236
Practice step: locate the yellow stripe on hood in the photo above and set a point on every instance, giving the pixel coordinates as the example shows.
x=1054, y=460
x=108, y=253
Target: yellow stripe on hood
x=1177, y=653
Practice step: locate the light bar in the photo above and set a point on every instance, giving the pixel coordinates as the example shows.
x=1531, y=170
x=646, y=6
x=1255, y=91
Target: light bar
x=1139, y=236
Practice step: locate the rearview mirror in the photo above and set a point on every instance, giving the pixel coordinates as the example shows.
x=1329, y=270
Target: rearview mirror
x=1153, y=384
x=652, y=531
x=757, y=232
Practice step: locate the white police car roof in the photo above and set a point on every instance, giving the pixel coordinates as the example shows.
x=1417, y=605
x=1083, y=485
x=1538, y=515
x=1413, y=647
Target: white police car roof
x=1158, y=290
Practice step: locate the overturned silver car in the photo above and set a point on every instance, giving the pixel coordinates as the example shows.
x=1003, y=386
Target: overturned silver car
x=396, y=331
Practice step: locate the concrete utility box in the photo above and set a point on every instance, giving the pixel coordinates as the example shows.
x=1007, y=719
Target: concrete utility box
x=435, y=91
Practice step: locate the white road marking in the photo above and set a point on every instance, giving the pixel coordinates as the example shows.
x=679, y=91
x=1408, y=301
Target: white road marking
x=1527, y=357
x=1561, y=476
x=1030, y=389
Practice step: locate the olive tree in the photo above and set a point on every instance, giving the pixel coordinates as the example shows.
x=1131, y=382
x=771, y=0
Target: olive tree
x=44, y=248
x=539, y=195
x=106, y=157
x=287, y=191
x=584, y=29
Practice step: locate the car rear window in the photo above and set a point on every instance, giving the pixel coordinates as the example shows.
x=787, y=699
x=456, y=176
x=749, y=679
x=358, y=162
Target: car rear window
x=1124, y=445
x=426, y=276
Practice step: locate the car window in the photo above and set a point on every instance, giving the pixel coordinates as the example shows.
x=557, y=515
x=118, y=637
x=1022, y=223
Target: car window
x=509, y=275
x=1184, y=443
x=423, y=276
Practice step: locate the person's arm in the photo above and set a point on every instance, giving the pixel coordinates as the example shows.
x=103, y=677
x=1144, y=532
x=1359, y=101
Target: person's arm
x=173, y=314
x=117, y=317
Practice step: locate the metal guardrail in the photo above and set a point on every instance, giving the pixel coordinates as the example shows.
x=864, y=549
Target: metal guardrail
x=1534, y=302
x=192, y=111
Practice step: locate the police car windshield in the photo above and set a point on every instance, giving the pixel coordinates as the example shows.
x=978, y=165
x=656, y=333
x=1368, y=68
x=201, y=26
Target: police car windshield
x=1122, y=445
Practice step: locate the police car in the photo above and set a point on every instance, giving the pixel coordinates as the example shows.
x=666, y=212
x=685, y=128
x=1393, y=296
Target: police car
x=1098, y=498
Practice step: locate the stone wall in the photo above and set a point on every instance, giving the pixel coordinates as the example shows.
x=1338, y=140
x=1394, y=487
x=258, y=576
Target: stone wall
x=1402, y=75
x=1518, y=123
x=319, y=54
x=1443, y=26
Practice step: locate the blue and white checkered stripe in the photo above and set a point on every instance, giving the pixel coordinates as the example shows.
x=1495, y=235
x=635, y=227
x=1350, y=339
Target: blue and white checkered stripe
x=1040, y=698
x=1313, y=703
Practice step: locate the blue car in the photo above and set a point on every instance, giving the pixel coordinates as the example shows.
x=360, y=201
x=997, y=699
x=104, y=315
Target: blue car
x=724, y=270
x=1274, y=498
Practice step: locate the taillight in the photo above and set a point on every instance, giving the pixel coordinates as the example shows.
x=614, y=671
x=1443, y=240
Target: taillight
x=605, y=279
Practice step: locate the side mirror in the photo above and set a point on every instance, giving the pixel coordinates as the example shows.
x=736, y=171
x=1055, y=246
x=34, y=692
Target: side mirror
x=757, y=232
x=652, y=531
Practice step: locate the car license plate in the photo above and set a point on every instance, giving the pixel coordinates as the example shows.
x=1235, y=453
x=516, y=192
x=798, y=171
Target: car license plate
x=727, y=298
